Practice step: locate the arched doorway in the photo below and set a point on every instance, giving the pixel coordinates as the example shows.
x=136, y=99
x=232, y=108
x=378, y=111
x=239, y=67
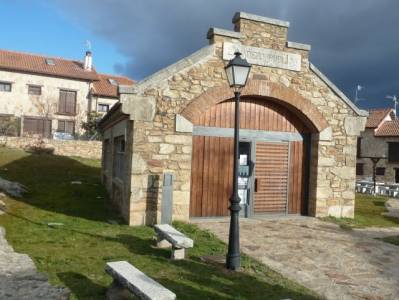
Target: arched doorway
x=274, y=159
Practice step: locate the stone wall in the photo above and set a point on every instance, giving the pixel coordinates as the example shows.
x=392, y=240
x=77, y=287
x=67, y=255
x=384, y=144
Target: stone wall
x=86, y=149
x=158, y=147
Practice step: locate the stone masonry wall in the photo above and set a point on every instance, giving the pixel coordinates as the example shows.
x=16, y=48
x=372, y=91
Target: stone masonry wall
x=376, y=147
x=86, y=149
x=19, y=103
x=158, y=148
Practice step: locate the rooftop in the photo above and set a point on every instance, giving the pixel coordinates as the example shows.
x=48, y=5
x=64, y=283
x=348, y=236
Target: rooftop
x=107, y=85
x=376, y=116
x=388, y=128
x=46, y=65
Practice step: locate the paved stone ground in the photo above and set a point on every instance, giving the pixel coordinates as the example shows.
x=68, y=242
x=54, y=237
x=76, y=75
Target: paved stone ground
x=335, y=263
x=19, y=279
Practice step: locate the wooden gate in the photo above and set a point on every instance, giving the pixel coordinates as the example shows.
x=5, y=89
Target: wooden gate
x=271, y=178
x=280, y=167
x=212, y=170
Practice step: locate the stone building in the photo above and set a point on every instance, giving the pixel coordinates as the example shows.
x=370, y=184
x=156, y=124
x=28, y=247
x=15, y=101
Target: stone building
x=379, y=139
x=298, y=133
x=42, y=95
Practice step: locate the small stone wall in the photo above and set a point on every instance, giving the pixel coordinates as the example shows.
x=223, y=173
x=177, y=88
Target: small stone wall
x=86, y=149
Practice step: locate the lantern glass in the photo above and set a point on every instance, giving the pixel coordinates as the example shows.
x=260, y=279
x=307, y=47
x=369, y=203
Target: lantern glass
x=237, y=71
x=240, y=75
x=230, y=75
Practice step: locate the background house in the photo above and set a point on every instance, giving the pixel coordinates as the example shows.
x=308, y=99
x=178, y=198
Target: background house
x=380, y=139
x=42, y=95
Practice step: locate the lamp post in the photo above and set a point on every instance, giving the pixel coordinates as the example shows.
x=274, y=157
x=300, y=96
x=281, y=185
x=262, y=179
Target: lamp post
x=237, y=71
x=375, y=160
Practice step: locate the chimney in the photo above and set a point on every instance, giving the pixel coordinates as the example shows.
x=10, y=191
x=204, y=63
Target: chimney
x=88, y=61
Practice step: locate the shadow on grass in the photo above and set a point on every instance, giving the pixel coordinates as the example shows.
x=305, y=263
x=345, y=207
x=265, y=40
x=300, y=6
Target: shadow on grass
x=81, y=286
x=379, y=203
x=49, y=181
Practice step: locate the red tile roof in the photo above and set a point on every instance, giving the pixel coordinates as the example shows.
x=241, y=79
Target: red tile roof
x=376, y=116
x=388, y=128
x=105, y=88
x=32, y=63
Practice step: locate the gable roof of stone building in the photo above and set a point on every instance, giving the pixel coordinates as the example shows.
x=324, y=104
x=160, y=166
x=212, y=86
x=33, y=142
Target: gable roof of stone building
x=209, y=51
x=388, y=128
x=45, y=65
x=376, y=116
x=107, y=85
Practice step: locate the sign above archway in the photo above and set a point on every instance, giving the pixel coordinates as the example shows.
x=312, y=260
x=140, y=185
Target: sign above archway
x=264, y=57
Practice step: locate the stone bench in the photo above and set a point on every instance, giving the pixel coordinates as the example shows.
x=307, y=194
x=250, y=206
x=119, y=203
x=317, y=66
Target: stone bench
x=167, y=236
x=127, y=277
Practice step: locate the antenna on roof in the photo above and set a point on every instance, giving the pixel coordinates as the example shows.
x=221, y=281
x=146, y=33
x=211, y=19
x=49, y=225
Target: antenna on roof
x=358, y=89
x=395, y=101
x=88, y=45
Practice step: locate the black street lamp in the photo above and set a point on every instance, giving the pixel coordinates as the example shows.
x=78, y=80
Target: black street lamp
x=375, y=160
x=237, y=71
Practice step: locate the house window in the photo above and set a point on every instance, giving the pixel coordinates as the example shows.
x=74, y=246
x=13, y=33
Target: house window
x=5, y=87
x=66, y=126
x=103, y=107
x=37, y=126
x=67, y=103
x=359, y=169
x=119, y=156
x=380, y=171
x=359, y=147
x=393, y=152
x=34, y=90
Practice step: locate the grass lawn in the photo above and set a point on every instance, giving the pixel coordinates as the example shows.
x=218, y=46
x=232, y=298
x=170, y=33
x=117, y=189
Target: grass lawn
x=74, y=255
x=368, y=212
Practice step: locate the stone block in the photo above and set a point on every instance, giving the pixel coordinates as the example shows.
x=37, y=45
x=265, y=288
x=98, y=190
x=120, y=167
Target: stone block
x=139, y=108
x=326, y=134
x=178, y=253
x=326, y=161
x=139, y=165
x=354, y=125
x=179, y=139
x=183, y=125
x=162, y=243
x=166, y=148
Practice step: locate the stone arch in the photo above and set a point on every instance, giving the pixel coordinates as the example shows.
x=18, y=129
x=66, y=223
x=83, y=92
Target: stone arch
x=276, y=92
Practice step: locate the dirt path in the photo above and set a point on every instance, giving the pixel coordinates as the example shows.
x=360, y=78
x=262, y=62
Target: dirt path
x=335, y=263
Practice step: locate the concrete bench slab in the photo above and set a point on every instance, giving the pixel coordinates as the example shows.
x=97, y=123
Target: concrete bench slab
x=139, y=284
x=169, y=235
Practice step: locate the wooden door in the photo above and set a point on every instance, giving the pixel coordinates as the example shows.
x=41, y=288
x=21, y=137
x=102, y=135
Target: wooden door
x=271, y=178
x=211, y=176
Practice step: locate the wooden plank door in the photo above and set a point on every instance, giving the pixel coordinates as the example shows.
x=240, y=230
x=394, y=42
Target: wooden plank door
x=211, y=173
x=271, y=178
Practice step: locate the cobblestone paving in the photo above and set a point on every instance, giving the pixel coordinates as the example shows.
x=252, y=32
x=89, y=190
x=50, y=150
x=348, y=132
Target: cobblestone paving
x=19, y=279
x=335, y=263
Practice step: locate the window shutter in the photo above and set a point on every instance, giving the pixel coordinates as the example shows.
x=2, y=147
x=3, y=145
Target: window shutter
x=69, y=127
x=70, y=103
x=62, y=102
x=61, y=126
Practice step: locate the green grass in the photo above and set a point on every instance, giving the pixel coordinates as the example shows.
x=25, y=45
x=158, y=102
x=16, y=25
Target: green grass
x=368, y=212
x=74, y=255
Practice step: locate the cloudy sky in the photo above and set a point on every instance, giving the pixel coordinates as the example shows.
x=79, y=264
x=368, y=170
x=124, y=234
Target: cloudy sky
x=353, y=41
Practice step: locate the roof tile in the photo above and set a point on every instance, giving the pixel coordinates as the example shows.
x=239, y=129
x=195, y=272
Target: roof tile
x=32, y=63
x=376, y=116
x=388, y=128
x=105, y=88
